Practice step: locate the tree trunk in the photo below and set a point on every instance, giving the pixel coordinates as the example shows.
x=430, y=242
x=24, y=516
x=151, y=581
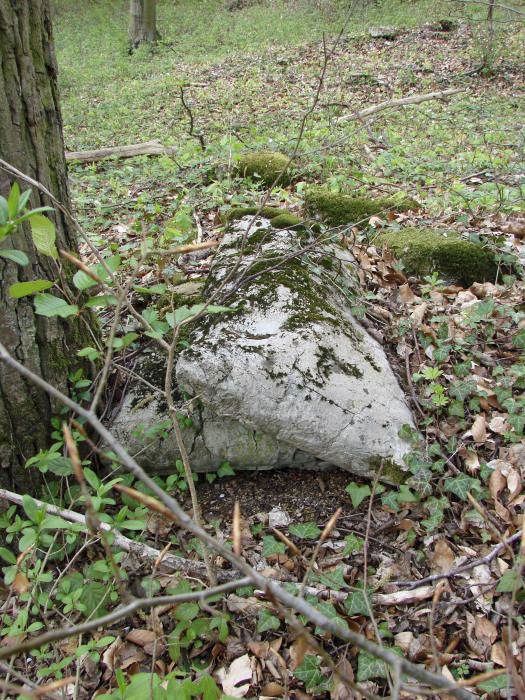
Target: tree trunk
x=142, y=22
x=31, y=140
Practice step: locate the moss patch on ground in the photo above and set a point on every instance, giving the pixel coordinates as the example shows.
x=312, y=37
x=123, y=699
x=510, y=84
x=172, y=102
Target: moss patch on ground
x=339, y=209
x=264, y=168
x=424, y=251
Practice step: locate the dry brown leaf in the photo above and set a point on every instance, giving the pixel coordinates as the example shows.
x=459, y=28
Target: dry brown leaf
x=297, y=651
x=20, y=583
x=497, y=483
x=472, y=461
x=498, y=424
x=514, y=483
x=403, y=640
x=443, y=557
x=340, y=689
x=478, y=429
x=485, y=630
x=418, y=314
x=273, y=690
x=237, y=679
x=406, y=295
x=498, y=655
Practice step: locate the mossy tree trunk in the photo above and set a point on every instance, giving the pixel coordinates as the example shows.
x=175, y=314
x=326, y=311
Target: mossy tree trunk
x=31, y=141
x=142, y=22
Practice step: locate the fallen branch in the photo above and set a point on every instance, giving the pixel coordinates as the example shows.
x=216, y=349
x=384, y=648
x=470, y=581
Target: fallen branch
x=413, y=100
x=149, y=148
x=190, y=567
x=464, y=567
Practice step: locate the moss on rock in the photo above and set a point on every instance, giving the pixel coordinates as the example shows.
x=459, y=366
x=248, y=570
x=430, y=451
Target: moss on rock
x=286, y=220
x=265, y=212
x=279, y=218
x=424, y=251
x=264, y=167
x=339, y=209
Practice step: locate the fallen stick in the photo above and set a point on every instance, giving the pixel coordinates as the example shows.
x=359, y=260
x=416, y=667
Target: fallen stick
x=149, y=148
x=143, y=551
x=413, y=100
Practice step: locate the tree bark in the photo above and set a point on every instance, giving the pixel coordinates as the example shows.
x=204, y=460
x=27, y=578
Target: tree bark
x=31, y=140
x=142, y=22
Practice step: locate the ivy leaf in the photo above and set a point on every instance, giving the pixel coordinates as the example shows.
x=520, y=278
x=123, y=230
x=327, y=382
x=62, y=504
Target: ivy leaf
x=309, y=671
x=225, y=470
x=369, y=667
x=16, y=256
x=44, y=234
x=49, y=305
x=509, y=582
x=306, y=531
x=354, y=543
x=357, y=493
x=355, y=604
x=267, y=621
x=271, y=546
x=23, y=289
x=390, y=500
x=334, y=580
x=461, y=485
x=493, y=684
x=329, y=611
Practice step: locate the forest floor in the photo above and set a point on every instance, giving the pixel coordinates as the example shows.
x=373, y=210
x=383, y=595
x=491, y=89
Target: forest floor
x=247, y=79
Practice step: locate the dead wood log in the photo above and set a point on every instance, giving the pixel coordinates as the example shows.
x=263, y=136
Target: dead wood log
x=149, y=148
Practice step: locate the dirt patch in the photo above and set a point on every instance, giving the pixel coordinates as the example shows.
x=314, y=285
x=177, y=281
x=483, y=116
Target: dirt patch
x=304, y=495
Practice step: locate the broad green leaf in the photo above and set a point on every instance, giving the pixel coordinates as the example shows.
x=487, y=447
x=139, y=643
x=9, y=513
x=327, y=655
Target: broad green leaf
x=89, y=352
x=267, y=621
x=271, y=546
x=186, y=611
x=12, y=201
x=334, y=580
x=54, y=522
x=93, y=593
x=309, y=672
x=31, y=509
x=102, y=300
x=49, y=305
x=329, y=611
x=225, y=470
x=44, y=234
x=91, y=478
x=206, y=687
x=4, y=213
x=354, y=543
x=133, y=524
x=509, y=582
x=7, y=555
x=307, y=531
x=124, y=341
x=369, y=667
x=496, y=683
x=16, y=256
x=82, y=280
x=155, y=289
x=461, y=485
x=355, y=604
x=357, y=493
x=23, y=289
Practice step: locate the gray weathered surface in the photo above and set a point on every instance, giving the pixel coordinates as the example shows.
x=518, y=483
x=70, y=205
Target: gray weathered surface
x=289, y=378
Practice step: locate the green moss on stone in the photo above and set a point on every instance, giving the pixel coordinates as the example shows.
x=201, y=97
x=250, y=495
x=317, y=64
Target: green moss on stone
x=424, y=251
x=264, y=167
x=265, y=212
x=286, y=220
x=339, y=209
